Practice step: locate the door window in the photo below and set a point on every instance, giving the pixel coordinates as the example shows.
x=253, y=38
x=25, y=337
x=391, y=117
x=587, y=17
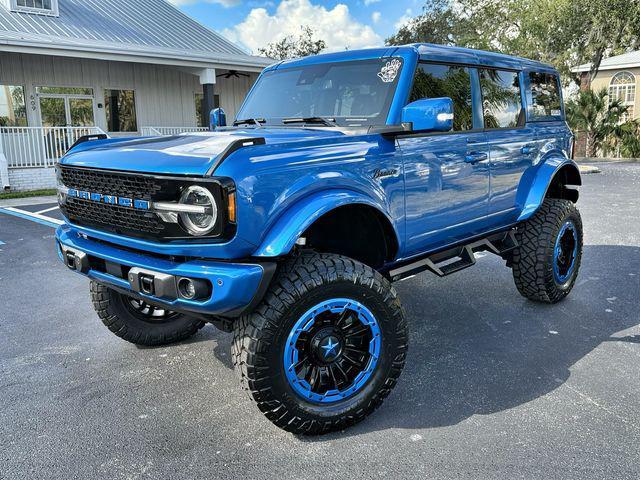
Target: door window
x=120, y=108
x=81, y=112
x=52, y=111
x=544, y=96
x=434, y=81
x=501, y=99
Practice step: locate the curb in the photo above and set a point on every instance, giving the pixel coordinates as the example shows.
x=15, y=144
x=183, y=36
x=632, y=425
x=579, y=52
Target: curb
x=605, y=160
x=585, y=169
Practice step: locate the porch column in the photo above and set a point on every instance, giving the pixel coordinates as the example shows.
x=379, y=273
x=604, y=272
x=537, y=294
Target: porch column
x=208, y=81
x=4, y=166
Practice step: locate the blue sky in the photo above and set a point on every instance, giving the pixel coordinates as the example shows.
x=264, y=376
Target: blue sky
x=342, y=24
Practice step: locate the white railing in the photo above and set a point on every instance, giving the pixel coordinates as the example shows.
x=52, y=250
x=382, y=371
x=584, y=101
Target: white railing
x=162, y=131
x=39, y=146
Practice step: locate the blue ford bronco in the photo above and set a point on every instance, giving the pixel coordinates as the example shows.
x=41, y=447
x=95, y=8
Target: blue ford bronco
x=341, y=174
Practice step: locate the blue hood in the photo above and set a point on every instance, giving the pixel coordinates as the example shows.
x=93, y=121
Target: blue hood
x=192, y=154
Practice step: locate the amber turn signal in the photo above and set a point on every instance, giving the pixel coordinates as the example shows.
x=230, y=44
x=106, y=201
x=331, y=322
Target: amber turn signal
x=231, y=202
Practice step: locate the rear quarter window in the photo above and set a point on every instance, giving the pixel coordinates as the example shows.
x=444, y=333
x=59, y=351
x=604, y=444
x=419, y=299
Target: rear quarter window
x=543, y=96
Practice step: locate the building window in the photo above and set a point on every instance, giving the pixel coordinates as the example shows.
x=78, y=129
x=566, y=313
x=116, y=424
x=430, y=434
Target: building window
x=623, y=88
x=198, y=99
x=433, y=81
x=40, y=7
x=501, y=100
x=120, y=108
x=13, y=109
x=80, y=91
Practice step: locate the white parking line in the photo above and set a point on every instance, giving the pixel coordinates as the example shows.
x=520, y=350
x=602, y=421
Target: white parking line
x=47, y=210
x=34, y=217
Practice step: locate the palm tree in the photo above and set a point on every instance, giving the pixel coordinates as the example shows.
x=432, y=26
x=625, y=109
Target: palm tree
x=630, y=139
x=593, y=113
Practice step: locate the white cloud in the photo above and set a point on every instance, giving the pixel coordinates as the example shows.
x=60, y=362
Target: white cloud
x=375, y=17
x=336, y=26
x=408, y=15
x=224, y=3
x=371, y=2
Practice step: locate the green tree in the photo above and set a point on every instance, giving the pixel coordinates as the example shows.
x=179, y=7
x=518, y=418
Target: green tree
x=564, y=33
x=603, y=28
x=438, y=23
x=626, y=139
x=290, y=47
x=592, y=113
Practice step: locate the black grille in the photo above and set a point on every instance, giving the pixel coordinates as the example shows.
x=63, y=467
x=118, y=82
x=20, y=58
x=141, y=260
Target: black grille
x=113, y=217
x=132, y=221
x=108, y=183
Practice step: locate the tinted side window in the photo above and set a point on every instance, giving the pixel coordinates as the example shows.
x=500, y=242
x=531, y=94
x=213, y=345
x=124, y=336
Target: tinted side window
x=434, y=81
x=544, y=95
x=501, y=99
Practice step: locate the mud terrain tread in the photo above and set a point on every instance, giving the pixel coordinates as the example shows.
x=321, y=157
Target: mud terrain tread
x=103, y=303
x=254, y=333
x=533, y=258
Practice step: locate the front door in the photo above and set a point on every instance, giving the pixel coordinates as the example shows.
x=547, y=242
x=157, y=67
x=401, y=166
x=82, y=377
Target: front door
x=62, y=108
x=446, y=174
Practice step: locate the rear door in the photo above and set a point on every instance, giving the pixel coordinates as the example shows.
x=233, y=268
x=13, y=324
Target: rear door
x=545, y=111
x=512, y=143
x=446, y=174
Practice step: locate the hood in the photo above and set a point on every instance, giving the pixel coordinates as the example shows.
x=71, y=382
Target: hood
x=192, y=154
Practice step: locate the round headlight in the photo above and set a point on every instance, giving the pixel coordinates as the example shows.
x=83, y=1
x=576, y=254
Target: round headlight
x=199, y=223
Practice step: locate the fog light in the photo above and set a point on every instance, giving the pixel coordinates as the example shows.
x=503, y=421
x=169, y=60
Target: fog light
x=187, y=288
x=192, y=289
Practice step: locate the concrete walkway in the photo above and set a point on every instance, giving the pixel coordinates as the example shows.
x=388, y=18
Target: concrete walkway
x=18, y=202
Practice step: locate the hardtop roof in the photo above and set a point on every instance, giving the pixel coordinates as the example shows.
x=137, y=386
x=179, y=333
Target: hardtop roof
x=426, y=52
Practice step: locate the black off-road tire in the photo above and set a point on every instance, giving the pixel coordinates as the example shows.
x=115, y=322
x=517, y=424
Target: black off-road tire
x=533, y=259
x=119, y=317
x=260, y=338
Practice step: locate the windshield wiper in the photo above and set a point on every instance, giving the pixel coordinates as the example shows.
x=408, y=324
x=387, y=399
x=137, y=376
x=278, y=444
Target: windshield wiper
x=250, y=121
x=329, y=122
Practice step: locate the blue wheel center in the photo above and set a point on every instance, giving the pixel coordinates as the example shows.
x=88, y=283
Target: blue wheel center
x=330, y=348
x=332, y=351
x=565, y=252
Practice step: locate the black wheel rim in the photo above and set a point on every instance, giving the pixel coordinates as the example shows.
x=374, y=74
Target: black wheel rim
x=332, y=351
x=565, y=252
x=146, y=312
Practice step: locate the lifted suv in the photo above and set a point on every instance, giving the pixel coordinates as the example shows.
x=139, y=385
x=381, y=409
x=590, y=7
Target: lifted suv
x=342, y=173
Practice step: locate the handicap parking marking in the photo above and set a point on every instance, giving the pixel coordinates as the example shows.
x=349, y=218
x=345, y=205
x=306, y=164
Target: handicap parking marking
x=32, y=216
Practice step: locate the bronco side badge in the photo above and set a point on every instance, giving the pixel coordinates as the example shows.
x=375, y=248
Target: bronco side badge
x=380, y=173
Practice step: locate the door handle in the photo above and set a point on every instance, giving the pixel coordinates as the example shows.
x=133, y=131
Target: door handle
x=529, y=149
x=475, y=157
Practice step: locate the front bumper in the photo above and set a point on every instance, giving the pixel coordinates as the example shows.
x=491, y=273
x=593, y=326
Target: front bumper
x=232, y=287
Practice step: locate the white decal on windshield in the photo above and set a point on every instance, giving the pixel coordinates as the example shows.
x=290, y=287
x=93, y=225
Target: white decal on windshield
x=389, y=72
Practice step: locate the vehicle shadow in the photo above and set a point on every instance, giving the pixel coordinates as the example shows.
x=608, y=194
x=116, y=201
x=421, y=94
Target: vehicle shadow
x=477, y=347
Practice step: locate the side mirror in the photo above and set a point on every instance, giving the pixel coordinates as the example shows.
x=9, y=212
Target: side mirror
x=429, y=114
x=217, y=118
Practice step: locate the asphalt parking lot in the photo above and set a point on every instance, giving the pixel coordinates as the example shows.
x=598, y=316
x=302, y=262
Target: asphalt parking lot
x=495, y=386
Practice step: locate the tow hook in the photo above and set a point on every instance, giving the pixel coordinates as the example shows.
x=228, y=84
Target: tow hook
x=78, y=261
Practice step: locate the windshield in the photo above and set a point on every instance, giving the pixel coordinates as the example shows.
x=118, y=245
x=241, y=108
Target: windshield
x=348, y=93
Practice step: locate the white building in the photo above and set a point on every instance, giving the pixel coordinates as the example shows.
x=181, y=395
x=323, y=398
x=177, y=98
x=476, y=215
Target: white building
x=74, y=67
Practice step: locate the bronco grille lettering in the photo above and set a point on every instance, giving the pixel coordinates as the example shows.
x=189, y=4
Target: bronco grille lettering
x=110, y=199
